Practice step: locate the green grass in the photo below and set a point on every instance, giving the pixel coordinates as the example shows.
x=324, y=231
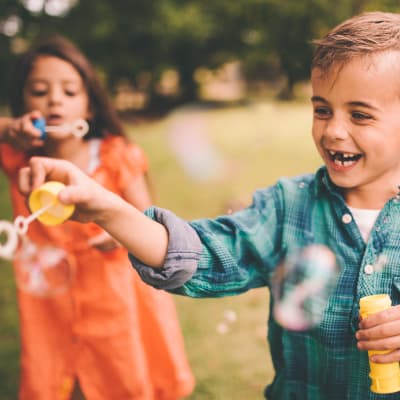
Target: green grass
x=9, y=343
x=256, y=144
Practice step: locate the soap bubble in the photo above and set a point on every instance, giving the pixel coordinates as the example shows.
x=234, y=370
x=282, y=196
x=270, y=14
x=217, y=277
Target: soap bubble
x=302, y=285
x=230, y=316
x=189, y=141
x=43, y=271
x=223, y=328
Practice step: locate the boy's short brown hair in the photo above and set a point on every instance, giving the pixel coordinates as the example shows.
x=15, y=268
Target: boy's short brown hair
x=363, y=34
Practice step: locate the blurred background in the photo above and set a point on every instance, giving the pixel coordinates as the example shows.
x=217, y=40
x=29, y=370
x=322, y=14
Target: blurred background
x=217, y=94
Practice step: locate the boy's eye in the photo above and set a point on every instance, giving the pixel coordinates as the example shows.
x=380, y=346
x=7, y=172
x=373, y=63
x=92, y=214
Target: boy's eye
x=360, y=116
x=322, y=112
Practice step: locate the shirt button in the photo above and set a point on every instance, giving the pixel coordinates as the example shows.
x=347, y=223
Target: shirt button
x=369, y=269
x=346, y=219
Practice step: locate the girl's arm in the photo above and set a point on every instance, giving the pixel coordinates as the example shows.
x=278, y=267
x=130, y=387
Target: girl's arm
x=143, y=237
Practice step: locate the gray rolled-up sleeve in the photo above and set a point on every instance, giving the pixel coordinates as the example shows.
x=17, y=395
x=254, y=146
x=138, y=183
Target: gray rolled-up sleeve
x=183, y=254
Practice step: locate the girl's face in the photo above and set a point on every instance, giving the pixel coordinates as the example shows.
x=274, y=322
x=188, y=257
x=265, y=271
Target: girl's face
x=55, y=88
x=356, y=127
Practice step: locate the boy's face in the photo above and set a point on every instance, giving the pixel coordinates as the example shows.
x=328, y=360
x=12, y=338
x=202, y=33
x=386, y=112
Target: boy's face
x=356, y=126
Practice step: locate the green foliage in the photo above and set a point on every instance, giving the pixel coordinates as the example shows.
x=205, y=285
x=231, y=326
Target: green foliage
x=125, y=38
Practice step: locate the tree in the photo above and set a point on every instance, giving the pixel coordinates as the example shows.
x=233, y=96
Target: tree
x=129, y=39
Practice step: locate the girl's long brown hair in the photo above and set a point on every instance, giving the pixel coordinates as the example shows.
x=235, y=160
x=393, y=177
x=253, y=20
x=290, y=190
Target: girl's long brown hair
x=105, y=120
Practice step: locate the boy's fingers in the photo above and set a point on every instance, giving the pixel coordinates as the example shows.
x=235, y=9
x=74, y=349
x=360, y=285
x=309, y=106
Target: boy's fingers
x=391, y=314
x=38, y=171
x=388, y=343
x=382, y=331
x=70, y=195
x=393, y=356
x=44, y=169
x=24, y=180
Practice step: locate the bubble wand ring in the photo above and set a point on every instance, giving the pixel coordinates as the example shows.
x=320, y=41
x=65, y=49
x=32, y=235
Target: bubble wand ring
x=7, y=249
x=78, y=128
x=19, y=228
x=21, y=223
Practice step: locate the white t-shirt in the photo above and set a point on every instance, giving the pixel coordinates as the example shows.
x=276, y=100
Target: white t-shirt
x=365, y=220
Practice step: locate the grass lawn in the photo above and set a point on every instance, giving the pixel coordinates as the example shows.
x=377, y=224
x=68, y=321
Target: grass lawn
x=230, y=153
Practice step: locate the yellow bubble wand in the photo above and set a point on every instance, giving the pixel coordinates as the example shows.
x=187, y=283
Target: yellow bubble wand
x=45, y=207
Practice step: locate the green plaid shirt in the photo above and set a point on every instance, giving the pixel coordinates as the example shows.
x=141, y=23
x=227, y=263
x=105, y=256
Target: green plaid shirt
x=241, y=251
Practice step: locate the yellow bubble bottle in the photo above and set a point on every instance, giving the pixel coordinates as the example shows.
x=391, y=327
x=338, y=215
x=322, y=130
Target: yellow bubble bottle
x=46, y=196
x=385, y=378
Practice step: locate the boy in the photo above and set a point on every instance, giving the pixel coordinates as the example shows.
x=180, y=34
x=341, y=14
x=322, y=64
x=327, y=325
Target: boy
x=351, y=205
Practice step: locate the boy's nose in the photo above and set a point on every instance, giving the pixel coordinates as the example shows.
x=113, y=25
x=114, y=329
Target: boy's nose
x=336, y=129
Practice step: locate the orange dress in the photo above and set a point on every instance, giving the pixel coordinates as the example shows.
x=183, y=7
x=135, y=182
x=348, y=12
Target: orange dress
x=119, y=337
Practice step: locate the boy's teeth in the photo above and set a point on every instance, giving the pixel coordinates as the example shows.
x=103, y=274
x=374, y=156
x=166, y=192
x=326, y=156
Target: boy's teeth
x=344, y=159
x=344, y=155
x=343, y=163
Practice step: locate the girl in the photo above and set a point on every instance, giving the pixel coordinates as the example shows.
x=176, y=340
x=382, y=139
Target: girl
x=108, y=336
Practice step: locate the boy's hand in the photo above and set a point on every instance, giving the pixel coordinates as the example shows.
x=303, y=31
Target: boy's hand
x=92, y=201
x=21, y=133
x=140, y=235
x=381, y=331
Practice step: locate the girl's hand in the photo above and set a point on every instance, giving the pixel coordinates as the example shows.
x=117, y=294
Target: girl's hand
x=21, y=134
x=381, y=331
x=104, y=242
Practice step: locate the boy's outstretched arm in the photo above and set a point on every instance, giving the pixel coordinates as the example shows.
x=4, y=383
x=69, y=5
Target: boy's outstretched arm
x=146, y=239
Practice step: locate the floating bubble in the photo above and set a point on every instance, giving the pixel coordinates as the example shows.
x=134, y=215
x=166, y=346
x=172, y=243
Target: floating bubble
x=302, y=286
x=189, y=141
x=223, y=328
x=230, y=316
x=43, y=271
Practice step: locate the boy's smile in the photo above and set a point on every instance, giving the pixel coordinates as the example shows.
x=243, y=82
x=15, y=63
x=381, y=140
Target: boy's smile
x=356, y=126
x=346, y=160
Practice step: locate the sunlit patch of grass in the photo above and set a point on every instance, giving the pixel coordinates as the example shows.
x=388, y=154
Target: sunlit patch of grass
x=9, y=341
